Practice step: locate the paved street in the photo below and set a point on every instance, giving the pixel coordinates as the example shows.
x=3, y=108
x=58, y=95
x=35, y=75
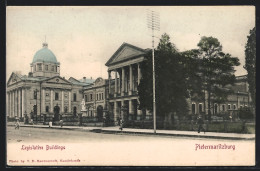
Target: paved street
x=28, y=134
x=125, y=149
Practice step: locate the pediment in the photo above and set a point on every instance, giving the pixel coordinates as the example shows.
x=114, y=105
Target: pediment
x=57, y=80
x=99, y=82
x=125, y=52
x=14, y=78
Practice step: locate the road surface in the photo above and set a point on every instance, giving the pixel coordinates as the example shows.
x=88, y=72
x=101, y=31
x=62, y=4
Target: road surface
x=122, y=149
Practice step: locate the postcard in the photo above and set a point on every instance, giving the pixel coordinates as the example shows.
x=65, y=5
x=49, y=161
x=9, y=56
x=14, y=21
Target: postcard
x=130, y=85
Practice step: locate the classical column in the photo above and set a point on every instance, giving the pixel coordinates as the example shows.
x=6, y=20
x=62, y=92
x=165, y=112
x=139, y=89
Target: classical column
x=62, y=101
x=43, y=101
x=123, y=82
x=115, y=111
x=10, y=104
x=131, y=80
x=115, y=84
x=19, y=103
x=51, y=108
x=69, y=101
x=109, y=82
x=139, y=73
x=23, y=102
x=15, y=103
x=130, y=107
x=7, y=104
x=119, y=80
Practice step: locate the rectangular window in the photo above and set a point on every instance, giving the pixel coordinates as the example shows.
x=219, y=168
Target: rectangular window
x=102, y=96
x=56, y=96
x=86, y=98
x=193, y=108
x=52, y=68
x=34, y=67
x=47, y=109
x=234, y=106
x=91, y=98
x=74, y=97
x=39, y=67
x=35, y=94
x=200, y=108
x=229, y=106
x=97, y=97
x=46, y=67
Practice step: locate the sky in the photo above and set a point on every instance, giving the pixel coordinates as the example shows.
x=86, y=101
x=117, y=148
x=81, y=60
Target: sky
x=84, y=38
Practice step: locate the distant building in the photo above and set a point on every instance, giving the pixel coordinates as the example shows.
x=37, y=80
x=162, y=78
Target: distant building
x=236, y=100
x=95, y=96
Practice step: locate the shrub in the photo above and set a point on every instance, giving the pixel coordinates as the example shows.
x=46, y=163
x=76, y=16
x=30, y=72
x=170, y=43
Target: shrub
x=245, y=113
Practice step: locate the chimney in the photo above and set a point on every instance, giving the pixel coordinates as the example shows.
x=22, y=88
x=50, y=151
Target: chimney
x=84, y=79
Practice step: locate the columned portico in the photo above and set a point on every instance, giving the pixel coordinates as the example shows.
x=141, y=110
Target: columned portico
x=126, y=63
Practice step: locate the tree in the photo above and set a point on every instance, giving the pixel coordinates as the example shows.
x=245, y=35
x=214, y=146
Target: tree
x=217, y=70
x=193, y=74
x=171, y=87
x=250, y=53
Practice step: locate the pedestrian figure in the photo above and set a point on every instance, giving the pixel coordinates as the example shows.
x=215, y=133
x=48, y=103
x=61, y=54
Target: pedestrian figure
x=121, y=124
x=50, y=124
x=118, y=121
x=200, y=123
x=17, y=124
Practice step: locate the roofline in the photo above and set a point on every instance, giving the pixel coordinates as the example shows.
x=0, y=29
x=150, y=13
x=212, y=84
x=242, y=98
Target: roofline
x=124, y=44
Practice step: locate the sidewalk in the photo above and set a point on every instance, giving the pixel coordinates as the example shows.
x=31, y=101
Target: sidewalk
x=115, y=129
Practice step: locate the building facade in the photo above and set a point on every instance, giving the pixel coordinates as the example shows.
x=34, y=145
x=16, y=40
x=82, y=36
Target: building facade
x=43, y=90
x=238, y=99
x=124, y=75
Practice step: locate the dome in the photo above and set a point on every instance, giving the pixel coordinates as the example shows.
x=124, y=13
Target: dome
x=44, y=55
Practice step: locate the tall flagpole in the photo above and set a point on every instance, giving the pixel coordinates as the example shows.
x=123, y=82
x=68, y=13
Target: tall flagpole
x=153, y=23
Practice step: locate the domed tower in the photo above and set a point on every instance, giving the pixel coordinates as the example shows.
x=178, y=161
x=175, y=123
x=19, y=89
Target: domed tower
x=44, y=63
